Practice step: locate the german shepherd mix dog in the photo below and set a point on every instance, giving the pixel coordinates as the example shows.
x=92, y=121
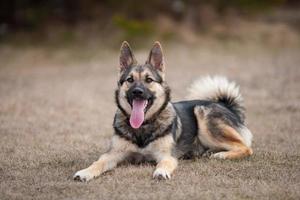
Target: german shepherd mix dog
x=149, y=127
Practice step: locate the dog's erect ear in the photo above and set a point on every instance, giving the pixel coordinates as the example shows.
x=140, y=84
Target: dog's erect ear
x=156, y=58
x=126, y=56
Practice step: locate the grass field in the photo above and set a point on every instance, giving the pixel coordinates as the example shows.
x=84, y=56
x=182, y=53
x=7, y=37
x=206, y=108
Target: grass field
x=57, y=107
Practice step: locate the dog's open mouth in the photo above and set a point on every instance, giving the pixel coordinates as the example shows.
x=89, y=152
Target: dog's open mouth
x=138, y=112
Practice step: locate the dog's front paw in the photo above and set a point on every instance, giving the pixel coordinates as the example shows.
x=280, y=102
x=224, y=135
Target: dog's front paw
x=161, y=173
x=220, y=155
x=208, y=154
x=83, y=175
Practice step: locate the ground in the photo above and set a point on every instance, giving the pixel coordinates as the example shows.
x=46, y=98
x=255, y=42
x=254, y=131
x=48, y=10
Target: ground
x=57, y=107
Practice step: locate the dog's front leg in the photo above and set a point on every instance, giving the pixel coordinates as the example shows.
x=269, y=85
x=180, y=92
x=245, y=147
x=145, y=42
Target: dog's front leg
x=162, y=151
x=106, y=162
x=165, y=167
x=120, y=148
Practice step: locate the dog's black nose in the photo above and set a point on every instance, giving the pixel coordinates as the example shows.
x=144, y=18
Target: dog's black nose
x=137, y=91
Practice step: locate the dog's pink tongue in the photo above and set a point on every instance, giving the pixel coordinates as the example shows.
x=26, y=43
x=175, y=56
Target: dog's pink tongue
x=137, y=113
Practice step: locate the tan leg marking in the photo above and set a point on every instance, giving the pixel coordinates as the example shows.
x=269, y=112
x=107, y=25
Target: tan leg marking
x=234, y=143
x=165, y=168
x=120, y=148
x=162, y=151
x=230, y=141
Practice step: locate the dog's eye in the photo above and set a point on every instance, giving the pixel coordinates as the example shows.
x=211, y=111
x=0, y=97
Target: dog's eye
x=149, y=80
x=130, y=80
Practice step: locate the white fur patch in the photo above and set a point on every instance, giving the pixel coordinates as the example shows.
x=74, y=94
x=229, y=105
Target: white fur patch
x=211, y=88
x=246, y=135
x=219, y=155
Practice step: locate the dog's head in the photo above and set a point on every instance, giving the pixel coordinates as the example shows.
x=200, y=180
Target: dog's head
x=142, y=91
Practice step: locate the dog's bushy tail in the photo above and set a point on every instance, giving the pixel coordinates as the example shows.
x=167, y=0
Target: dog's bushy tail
x=218, y=89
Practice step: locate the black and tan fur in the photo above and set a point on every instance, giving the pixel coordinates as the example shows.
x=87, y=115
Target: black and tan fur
x=211, y=122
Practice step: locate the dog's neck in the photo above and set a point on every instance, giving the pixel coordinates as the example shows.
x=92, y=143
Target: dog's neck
x=165, y=123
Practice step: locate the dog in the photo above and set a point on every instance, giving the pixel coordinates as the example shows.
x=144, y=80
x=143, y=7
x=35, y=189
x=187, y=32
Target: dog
x=149, y=127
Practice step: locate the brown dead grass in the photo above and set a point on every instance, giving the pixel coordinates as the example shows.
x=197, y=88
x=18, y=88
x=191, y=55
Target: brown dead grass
x=56, y=111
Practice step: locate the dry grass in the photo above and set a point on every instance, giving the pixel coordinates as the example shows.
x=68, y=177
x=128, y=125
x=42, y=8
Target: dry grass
x=56, y=111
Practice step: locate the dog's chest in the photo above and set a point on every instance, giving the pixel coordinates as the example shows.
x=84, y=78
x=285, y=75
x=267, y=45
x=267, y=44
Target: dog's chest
x=143, y=136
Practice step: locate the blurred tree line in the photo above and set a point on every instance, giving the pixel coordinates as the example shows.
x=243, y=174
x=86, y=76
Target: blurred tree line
x=132, y=16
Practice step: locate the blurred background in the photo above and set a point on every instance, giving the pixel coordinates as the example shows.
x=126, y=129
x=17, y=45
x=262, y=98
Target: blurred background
x=58, y=72
x=91, y=22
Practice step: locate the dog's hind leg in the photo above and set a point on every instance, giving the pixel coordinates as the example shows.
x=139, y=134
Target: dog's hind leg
x=233, y=145
x=120, y=149
x=217, y=135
